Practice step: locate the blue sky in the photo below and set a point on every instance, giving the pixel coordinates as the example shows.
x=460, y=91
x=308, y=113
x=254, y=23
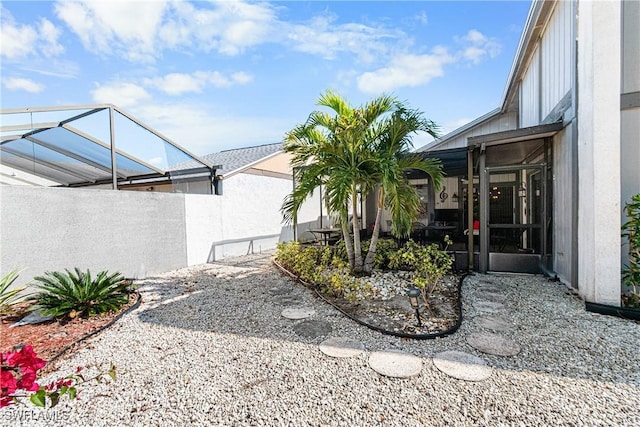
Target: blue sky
x=225, y=74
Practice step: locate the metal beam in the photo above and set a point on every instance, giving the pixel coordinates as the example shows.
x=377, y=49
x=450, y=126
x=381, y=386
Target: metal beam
x=28, y=126
x=164, y=138
x=112, y=138
x=71, y=154
x=54, y=108
x=102, y=144
x=47, y=164
x=470, y=236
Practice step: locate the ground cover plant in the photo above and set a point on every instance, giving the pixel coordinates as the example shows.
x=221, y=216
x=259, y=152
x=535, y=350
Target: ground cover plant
x=380, y=299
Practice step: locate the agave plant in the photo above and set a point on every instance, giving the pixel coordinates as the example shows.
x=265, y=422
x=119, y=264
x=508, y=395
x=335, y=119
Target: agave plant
x=72, y=295
x=8, y=297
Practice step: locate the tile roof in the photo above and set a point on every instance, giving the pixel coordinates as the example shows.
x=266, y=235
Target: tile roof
x=238, y=158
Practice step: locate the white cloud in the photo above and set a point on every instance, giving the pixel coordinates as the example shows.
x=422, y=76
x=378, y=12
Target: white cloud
x=405, y=71
x=139, y=31
x=128, y=28
x=322, y=36
x=15, y=83
x=49, y=35
x=179, y=83
x=19, y=41
x=121, y=94
x=422, y=18
x=478, y=47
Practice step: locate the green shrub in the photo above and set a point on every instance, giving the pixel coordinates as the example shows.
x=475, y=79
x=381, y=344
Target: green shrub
x=70, y=295
x=384, y=249
x=428, y=263
x=8, y=297
x=323, y=267
x=631, y=272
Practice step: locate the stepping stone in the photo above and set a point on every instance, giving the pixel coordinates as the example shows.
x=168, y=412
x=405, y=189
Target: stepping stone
x=395, y=363
x=297, y=313
x=33, y=319
x=463, y=366
x=279, y=291
x=287, y=300
x=496, y=289
x=490, y=343
x=491, y=296
x=313, y=328
x=341, y=347
x=489, y=306
x=495, y=323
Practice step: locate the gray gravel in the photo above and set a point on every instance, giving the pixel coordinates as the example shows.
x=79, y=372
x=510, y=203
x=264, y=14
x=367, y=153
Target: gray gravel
x=209, y=346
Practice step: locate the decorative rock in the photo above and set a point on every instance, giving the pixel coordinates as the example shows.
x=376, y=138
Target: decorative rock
x=493, y=344
x=297, y=313
x=313, y=328
x=463, y=366
x=341, y=347
x=488, y=306
x=495, y=323
x=395, y=363
x=33, y=319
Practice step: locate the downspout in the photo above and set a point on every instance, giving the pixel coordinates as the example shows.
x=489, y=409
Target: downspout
x=470, y=236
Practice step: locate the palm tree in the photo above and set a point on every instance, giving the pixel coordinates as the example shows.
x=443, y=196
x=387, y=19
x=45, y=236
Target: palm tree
x=394, y=158
x=351, y=153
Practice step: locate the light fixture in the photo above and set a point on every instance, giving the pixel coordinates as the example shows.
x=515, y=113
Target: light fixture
x=454, y=198
x=414, y=294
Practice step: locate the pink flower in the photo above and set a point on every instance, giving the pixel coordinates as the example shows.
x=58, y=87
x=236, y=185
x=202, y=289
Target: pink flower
x=26, y=359
x=28, y=382
x=9, y=384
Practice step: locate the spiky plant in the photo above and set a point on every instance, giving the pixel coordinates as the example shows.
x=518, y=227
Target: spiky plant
x=71, y=295
x=8, y=297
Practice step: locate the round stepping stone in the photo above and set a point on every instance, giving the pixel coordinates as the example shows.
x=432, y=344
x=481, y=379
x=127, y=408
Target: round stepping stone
x=297, y=313
x=341, y=347
x=313, y=328
x=395, y=363
x=489, y=306
x=495, y=323
x=490, y=343
x=463, y=366
x=491, y=296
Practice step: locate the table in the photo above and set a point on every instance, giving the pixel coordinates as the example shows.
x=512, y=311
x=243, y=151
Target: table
x=441, y=230
x=324, y=234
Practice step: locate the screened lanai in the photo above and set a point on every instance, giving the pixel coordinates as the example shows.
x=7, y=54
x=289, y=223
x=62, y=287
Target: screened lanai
x=96, y=146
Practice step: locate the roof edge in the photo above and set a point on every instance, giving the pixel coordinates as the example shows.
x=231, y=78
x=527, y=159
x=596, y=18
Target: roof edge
x=442, y=140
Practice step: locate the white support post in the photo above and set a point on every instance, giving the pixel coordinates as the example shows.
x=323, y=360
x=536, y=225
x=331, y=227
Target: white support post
x=599, y=32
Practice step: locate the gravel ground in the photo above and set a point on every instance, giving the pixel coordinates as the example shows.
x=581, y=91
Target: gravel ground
x=208, y=346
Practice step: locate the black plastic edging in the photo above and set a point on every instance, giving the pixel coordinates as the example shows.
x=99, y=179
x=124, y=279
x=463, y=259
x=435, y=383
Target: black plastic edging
x=444, y=333
x=102, y=328
x=612, y=310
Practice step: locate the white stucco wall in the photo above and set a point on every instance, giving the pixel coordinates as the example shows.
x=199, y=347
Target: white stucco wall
x=599, y=84
x=139, y=233
x=501, y=123
x=46, y=229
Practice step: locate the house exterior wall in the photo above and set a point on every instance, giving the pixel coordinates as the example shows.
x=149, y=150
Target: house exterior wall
x=555, y=57
x=530, y=93
x=562, y=211
x=500, y=123
x=631, y=46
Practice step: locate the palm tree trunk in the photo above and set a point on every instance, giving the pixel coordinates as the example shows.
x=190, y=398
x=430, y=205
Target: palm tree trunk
x=368, y=262
x=357, y=247
x=344, y=224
